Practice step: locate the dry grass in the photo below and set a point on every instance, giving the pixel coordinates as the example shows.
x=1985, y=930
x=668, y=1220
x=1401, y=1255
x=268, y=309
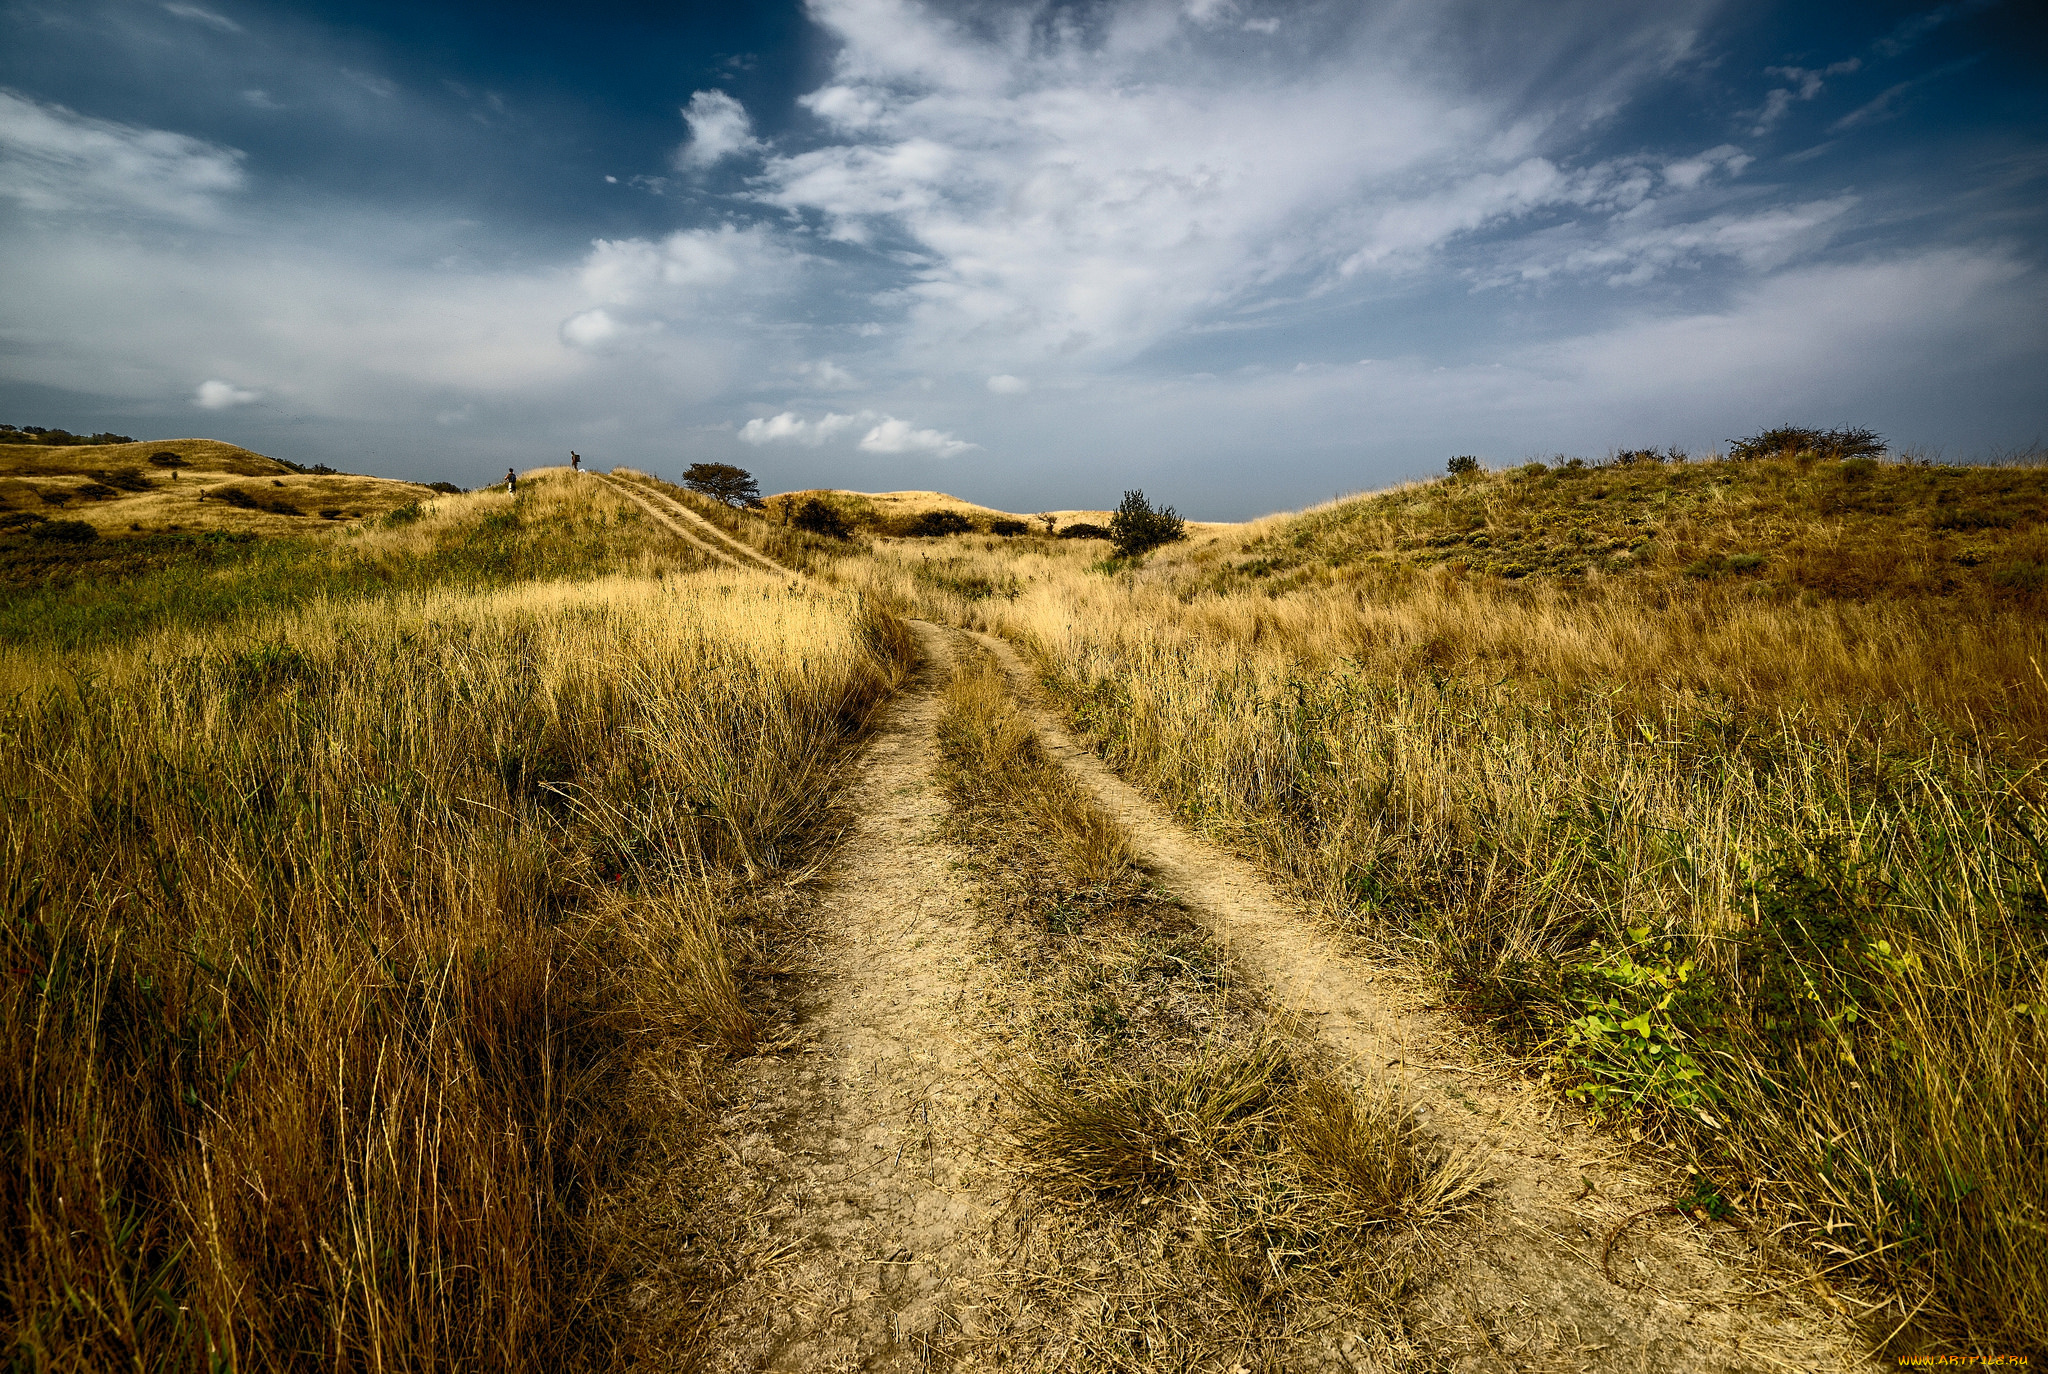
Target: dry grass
x=337, y=959
x=120, y=491
x=1760, y=872
x=1197, y=1182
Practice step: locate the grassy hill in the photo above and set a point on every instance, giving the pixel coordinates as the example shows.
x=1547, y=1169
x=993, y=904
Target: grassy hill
x=1856, y=530
x=1709, y=791
x=176, y=485
x=896, y=513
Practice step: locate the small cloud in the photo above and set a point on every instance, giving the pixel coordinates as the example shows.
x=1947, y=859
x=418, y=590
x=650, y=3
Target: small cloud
x=1804, y=84
x=219, y=395
x=591, y=329
x=460, y=416
x=1265, y=26
x=611, y=180
x=374, y=84
x=1690, y=172
x=1003, y=384
x=826, y=374
x=791, y=428
x=719, y=128
x=1887, y=104
x=898, y=436
x=203, y=16
x=261, y=100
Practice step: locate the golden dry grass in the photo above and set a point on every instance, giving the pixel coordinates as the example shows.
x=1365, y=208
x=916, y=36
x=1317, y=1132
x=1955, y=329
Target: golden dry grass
x=1756, y=871
x=334, y=948
x=118, y=489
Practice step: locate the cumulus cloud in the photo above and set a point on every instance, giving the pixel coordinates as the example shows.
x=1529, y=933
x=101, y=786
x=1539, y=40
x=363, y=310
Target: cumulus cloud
x=886, y=433
x=900, y=436
x=590, y=329
x=52, y=159
x=219, y=395
x=789, y=427
x=1003, y=384
x=719, y=128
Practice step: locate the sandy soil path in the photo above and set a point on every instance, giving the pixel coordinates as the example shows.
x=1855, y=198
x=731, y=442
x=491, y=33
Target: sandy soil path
x=1530, y=1294
x=850, y=1147
x=700, y=531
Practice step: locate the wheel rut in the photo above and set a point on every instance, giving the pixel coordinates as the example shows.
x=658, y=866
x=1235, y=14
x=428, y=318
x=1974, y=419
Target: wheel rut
x=1531, y=1291
x=849, y=1148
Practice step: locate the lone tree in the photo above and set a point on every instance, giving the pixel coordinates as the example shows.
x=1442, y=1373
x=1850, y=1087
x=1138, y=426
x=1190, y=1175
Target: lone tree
x=1137, y=528
x=724, y=482
x=1464, y=465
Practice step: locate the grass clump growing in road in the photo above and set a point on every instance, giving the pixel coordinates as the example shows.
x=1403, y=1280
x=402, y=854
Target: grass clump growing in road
x=352, y=967
x=1191, y=1165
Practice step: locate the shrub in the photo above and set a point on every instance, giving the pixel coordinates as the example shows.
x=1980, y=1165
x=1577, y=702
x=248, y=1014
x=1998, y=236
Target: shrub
x=1464, y=465
x=1137, y=528
x=1792, y=441
x=818, y=517
x=64, y=532
x=164, y=458
x=936, y=523
x=444, y=488
x=1009, y=529
x=15, y=520
x=1084, y=530
x=734, y=486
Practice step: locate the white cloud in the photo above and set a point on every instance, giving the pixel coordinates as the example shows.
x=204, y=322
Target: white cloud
x=203, y=16
x=1003, y=384
x=1687, y=173
x=900, y=436
x=886, y=433
x=719, y=128
x=789, y=427
x=219, y=395
x=1631, y=252
x=1804, y=84
x=642, y=271
x=382, y=87
x=590, y=329
x=52, y=159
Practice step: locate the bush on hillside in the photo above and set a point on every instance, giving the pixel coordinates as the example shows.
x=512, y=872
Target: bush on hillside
x=1009, y=529
x=817, y=517
x=1084, y=530
x=444, y=488
x=1464, y=465
x=934, y=524
x=164, y=458
x=1791, y=441
x=1137, y=528
x=64, y=532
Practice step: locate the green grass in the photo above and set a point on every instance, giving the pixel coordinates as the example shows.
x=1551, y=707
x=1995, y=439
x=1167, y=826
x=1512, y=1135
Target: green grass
x=70, y=597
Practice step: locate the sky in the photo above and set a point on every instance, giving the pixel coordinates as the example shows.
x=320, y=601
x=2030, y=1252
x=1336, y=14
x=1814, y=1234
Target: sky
x=1243, y=254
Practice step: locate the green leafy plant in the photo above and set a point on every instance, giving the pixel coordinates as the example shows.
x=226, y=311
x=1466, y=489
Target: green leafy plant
x=1138, y=528
x=1627, y=1048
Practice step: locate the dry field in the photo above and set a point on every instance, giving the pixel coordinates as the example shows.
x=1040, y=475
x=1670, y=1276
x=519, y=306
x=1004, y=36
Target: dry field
x=1710, y=793
x=1589, y=918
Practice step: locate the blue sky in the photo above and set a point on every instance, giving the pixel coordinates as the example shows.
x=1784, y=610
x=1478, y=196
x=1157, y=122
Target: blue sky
x=1243, y=254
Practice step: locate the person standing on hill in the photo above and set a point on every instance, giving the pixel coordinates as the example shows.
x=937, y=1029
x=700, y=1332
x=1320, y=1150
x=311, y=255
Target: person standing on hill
x=575, y=462
x=511, y=482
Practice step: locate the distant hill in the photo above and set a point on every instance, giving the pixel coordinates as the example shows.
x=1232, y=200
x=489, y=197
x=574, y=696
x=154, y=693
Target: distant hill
x=896, y=512
x=1768, y=528
x=154, y=485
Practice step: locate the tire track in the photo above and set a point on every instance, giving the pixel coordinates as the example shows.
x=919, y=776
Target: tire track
x=850, y=1149
x=1531, y=1293
x=704, y=528
x=715, y=554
